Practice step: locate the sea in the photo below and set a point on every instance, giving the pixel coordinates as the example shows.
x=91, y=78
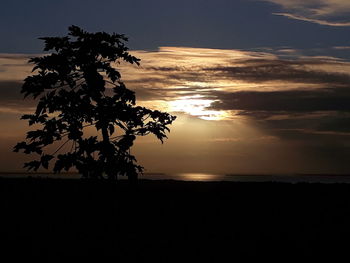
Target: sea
x=209, y=177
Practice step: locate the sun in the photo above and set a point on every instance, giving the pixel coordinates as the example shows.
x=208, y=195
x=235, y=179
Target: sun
x=196, y=106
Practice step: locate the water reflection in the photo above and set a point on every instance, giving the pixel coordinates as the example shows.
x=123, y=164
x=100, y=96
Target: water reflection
x=206, y=177
x=199, y=177
x=284, y=178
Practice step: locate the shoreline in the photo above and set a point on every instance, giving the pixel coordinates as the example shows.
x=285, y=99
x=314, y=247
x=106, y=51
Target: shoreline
x=202, y=177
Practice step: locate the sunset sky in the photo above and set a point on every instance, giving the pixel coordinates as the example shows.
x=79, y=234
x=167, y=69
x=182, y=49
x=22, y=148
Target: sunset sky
x=259, y=86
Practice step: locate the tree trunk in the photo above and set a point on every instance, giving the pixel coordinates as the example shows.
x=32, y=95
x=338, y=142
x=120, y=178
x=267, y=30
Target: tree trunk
x=106, y=142
x=105, y=135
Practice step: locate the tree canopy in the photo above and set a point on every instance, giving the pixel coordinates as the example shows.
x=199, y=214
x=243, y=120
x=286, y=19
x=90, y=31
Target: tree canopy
x=77, y=86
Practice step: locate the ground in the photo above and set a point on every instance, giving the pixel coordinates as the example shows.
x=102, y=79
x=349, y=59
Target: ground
x=173, y=221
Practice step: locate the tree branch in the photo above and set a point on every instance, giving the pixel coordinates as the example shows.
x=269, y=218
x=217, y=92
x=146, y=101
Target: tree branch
x=59, y=148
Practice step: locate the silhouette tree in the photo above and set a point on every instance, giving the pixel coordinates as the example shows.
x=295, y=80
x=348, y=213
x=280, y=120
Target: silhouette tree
x=77, y=87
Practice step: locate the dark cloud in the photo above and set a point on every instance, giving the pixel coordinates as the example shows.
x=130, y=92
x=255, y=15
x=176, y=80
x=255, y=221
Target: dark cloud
x=327, y=99
x=307, y=115
x=279, y=70
x=10, y=90
x=149, y=82
x=256, y=71
x=19, y=57
x=327, y=129
x=335, y=124
x=11, y=99
x=167, y=69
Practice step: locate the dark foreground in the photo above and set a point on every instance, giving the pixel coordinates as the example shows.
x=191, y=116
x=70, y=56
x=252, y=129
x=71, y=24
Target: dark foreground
x=173, y=221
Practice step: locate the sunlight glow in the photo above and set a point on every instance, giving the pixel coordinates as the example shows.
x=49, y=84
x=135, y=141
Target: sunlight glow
x=196, y=106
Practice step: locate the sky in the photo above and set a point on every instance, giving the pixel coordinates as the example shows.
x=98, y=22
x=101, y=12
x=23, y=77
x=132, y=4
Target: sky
x=259, y=86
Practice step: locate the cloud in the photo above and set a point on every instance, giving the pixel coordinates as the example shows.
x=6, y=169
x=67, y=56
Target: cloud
x=282, y=70
x=341, y=47
x=322, y=12
x=11, y=101
x=299, y=97
x=276, y=92
x=14, y=67
x=316, y=21
x=286, y=101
